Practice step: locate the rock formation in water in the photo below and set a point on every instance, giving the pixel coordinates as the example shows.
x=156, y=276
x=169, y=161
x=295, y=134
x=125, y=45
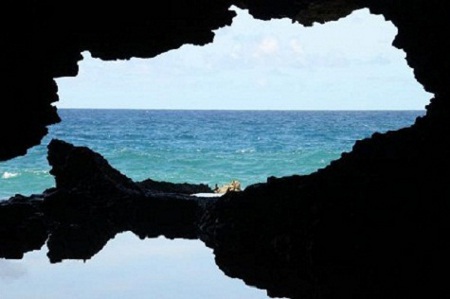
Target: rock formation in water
x=374, y=224
x=90, y=204
x=367, y=226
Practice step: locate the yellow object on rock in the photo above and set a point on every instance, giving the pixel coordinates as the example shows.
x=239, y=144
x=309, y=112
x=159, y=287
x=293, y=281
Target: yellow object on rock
x=233, y=186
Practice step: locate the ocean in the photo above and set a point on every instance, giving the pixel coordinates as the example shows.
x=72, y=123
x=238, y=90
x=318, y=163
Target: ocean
x=210, y=147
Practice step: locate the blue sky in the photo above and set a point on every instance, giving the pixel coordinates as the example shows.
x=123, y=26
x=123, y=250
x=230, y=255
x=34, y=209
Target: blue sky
x=126, y=268
x=344, y=65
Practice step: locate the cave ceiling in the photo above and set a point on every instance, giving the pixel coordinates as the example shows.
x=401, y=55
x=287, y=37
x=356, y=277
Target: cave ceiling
x=44, y=40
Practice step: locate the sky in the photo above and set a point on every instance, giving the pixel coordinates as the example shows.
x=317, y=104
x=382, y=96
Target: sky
x=348, y=64
x=127, y=267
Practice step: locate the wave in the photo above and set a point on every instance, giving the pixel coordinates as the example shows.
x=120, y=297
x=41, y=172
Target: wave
x=8, y=175
x=246, y=151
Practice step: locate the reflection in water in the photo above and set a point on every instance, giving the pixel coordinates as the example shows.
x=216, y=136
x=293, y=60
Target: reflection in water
x=126, y=268
x=365, y=234
x=90, y=224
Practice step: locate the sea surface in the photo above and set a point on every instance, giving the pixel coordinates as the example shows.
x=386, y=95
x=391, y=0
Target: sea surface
x=210, y=147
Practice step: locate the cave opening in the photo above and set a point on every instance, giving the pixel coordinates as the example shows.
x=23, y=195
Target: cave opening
x=346, y=66
x=369, y=225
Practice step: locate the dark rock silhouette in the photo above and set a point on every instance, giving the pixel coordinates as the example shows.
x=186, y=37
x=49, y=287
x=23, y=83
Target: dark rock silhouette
x=180, y=188
x=365, y=227
x=90, y=204
x=374, y=224
x=22, y=227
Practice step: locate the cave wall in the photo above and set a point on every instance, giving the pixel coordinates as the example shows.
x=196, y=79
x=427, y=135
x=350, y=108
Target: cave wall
x=373, y=224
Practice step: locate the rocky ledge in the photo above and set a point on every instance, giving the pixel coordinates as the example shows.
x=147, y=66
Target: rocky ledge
x=90, y=204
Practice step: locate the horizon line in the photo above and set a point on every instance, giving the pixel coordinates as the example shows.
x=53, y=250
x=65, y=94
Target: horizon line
x=243, y=109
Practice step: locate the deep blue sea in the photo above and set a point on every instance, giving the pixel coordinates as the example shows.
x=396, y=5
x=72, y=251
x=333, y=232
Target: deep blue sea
x=212, y=147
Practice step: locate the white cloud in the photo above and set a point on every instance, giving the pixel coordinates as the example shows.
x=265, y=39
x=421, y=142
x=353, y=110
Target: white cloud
x=268, y=46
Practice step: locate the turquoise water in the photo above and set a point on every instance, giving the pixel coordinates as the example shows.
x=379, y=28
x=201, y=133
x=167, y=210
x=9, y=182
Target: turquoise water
x=210, y=147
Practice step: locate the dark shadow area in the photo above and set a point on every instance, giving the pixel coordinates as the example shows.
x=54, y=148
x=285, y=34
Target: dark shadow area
x=373, y=224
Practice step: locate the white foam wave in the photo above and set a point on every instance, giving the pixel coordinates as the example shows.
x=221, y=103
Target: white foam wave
x=246, y=151
x=7, y=175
